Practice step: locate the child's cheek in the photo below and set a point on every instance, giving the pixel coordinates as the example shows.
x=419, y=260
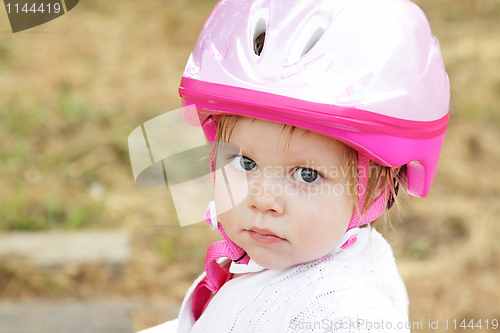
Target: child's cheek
x=222, y=197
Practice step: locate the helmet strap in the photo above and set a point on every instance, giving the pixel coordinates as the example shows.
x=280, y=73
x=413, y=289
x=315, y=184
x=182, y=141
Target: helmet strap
x=359, y=217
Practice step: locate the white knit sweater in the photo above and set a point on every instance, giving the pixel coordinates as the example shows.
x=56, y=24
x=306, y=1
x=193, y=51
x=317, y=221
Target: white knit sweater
x=356, y=290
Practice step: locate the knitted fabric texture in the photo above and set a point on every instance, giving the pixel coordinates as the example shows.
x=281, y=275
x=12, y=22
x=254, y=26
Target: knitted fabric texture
x=360, y=284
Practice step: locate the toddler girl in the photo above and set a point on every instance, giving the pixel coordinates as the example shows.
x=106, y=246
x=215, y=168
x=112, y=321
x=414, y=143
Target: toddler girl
x=332, y=105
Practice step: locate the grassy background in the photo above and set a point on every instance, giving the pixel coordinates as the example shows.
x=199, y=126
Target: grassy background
x=73, y=89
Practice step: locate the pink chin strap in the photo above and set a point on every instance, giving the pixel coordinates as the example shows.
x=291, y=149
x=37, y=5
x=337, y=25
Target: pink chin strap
x=217, y=276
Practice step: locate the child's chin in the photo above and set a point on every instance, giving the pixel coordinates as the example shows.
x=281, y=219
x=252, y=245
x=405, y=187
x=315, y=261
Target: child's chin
x=269, y=264
x=265, y=262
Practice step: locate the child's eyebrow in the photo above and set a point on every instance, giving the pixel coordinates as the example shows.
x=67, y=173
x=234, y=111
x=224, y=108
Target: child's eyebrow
x=313, y=164
x=307, y=152
x=247, y=150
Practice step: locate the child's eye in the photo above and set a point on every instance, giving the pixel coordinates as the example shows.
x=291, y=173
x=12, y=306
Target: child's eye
x=306, y=175
x=244, y=163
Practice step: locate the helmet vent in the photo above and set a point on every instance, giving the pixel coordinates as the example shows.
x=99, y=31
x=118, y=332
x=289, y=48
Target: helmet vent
x=259, y=36
x=258, y=43
x=312, y=41
x=306, y=38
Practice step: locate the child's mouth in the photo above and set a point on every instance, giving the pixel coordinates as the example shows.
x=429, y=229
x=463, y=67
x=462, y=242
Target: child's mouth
x=264, y=236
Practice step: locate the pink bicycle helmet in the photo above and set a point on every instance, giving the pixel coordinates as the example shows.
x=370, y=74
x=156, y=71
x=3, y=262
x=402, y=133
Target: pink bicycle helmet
x=367, y=73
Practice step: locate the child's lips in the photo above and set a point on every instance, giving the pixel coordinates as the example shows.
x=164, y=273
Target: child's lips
x=265, y=236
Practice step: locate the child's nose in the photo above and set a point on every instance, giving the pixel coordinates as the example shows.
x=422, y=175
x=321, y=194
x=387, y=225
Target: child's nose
x=267, y=196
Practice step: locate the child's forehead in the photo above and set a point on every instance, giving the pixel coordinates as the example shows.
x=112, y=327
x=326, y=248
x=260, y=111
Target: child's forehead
x=279, y=138
x=255, y=126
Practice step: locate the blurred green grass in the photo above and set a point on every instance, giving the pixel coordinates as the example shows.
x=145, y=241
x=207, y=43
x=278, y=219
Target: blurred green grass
x=34, y=151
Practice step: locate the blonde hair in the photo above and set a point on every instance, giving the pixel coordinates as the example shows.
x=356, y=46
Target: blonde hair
x=391, y=179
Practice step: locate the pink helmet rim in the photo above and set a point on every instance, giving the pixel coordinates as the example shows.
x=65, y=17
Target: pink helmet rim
x=364, y=131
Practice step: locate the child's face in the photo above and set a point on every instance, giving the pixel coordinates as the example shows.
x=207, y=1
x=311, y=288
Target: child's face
x=308, y=213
